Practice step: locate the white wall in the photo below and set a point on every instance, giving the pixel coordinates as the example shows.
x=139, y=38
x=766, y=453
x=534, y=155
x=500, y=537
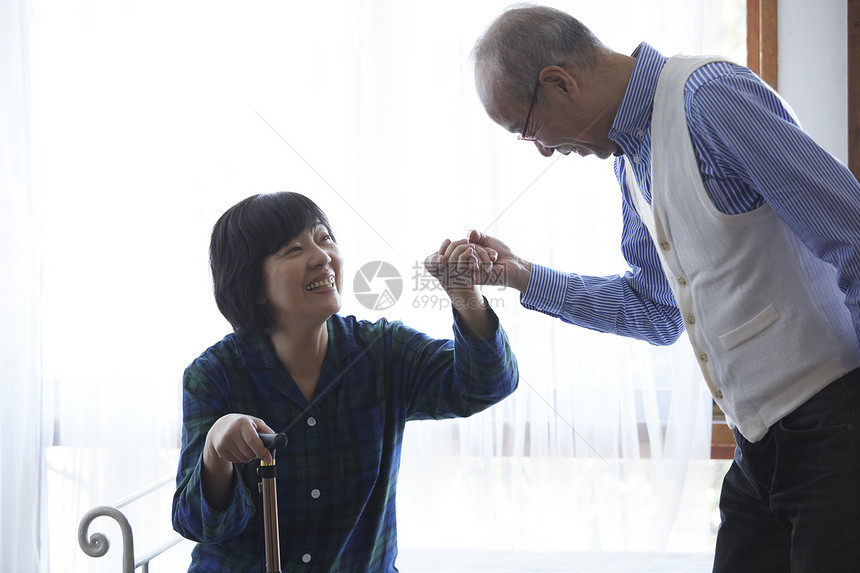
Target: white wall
x=813, y=69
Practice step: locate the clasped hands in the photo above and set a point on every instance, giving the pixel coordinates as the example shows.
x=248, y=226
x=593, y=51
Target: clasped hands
x=477, y=260
x=462, y=264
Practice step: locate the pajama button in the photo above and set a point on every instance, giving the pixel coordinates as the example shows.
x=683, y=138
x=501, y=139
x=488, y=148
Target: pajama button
x=306, y=558
x=315, y=493
x=312, y=421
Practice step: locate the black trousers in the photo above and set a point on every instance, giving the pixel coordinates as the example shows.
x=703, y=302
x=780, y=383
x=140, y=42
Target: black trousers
x=791, y=501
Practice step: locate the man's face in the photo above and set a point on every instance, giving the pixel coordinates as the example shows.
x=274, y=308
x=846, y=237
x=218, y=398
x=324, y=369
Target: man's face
x=558, y=122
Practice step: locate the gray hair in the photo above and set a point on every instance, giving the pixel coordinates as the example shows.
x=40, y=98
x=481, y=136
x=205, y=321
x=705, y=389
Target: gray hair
x=526, y=38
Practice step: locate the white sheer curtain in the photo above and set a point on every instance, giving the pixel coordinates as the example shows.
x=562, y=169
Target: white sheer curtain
x=20, y=421
x=150, y=119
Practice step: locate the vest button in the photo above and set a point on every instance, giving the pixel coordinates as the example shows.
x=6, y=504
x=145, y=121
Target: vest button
x=691, y=319
x=703, y=357
x=664, y=245
x=682, y=281
x=718, y=395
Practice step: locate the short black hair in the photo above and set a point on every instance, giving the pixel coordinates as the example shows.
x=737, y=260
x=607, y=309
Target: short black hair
x=244, y=236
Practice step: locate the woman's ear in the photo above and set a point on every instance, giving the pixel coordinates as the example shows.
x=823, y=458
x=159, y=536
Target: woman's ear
x=557, y=80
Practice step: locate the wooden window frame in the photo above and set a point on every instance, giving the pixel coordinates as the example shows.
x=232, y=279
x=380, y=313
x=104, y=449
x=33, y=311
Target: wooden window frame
x=762, y=40
x=763, y=59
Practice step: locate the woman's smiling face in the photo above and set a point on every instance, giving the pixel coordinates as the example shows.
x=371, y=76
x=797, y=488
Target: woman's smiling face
x=302, y=279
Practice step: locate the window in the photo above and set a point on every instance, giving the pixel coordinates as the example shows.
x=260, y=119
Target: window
x=150, y=119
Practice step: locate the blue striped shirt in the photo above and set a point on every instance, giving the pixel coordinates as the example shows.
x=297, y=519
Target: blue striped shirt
x=750, y=152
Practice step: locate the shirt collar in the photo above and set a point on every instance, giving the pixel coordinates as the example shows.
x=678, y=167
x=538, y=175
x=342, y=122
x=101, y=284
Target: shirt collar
x=264, y=366
x=634, y=113
x=256, y=350
x=258, y=353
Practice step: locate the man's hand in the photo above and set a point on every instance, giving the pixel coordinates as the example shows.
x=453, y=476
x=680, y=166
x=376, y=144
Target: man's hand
x=508, y=269
x=460, y=265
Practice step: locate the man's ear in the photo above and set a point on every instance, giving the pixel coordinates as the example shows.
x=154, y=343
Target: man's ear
x=556, y=79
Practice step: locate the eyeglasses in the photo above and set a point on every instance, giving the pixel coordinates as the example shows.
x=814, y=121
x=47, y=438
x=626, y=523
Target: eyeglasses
x=523, y=136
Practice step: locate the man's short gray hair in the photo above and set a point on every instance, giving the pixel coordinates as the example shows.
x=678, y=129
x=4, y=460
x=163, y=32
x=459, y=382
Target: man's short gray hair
x=525, y=39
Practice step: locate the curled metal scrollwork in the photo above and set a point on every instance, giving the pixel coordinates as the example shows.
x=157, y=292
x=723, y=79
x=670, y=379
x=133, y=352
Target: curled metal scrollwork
x=97, y=545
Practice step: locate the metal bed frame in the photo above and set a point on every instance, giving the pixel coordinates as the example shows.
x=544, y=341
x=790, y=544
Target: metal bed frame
x=98, y=544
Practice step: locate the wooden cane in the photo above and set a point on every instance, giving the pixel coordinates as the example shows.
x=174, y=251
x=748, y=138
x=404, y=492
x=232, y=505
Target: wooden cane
x=267, y=473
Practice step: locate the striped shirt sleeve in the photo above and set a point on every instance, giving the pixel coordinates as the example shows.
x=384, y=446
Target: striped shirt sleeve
x=752, y=151
x=627, y=305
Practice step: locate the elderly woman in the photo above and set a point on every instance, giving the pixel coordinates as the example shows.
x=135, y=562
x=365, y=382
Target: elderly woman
x=341, y=389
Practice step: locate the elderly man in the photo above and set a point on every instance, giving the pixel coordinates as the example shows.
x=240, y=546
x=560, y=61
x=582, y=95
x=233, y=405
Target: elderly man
x=738, y=228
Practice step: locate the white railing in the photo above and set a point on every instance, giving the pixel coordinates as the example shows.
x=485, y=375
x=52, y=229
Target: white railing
x=97, y=544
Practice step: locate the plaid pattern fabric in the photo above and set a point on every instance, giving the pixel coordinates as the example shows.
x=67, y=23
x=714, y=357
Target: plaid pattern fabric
x=336, y=477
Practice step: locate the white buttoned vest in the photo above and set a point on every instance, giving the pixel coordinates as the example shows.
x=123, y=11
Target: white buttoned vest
x=766, y=318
